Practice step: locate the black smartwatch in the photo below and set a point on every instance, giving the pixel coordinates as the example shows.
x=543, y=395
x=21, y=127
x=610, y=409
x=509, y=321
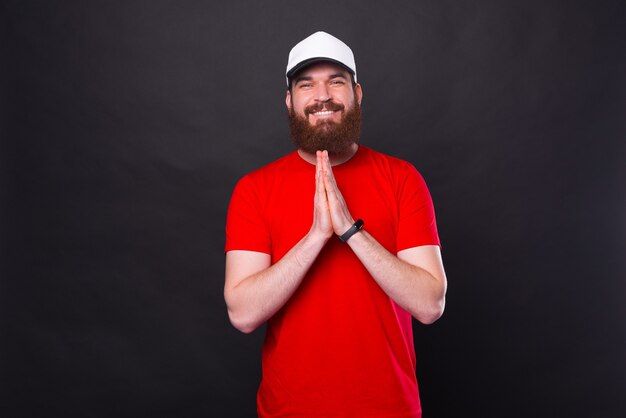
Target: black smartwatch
x=358, y=225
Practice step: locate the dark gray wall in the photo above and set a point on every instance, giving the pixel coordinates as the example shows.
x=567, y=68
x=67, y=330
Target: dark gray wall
x=126, y=124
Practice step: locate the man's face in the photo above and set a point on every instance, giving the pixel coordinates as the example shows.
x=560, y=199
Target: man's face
x=324, y=109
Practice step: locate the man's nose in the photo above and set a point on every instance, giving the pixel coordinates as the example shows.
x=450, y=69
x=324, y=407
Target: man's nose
x=321, y=93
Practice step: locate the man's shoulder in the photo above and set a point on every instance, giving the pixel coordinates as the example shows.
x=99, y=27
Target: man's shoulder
x=391, y=162
x=267, y=176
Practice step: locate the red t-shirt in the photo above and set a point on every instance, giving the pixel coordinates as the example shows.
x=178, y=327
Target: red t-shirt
x=340, y=346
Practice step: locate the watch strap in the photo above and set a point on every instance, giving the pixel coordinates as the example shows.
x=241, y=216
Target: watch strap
x=356, y=227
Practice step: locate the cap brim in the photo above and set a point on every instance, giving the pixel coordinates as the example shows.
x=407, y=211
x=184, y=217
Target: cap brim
x=301, y=65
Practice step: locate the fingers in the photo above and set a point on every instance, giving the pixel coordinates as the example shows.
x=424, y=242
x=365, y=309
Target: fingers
x=328, y=177
x=339, y=213
x=328, y=169
x=319, y=177
x=321, y=215
x=319, y=165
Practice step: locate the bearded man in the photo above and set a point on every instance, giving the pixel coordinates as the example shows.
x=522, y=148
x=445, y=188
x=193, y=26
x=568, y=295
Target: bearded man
x=335, y=246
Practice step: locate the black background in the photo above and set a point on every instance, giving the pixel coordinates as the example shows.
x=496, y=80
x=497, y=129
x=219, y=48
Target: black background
x=126, y=124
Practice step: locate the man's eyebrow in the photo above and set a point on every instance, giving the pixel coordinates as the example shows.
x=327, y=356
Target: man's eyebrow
x=338, y=75
x=302, y=78
x=309, y=78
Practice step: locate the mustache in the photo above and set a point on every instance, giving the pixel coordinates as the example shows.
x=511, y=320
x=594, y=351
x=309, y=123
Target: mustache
x=330, y=105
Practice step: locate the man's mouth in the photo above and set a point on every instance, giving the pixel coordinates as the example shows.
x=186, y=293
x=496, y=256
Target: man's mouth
x=323, y=113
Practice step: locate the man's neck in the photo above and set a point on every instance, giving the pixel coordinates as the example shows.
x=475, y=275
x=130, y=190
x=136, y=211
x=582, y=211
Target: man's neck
x=335, y=159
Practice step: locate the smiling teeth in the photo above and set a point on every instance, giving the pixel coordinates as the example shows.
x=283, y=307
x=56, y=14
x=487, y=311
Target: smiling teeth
x=324, y=113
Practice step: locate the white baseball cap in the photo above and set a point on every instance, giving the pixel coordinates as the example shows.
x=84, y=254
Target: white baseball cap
x=320, y=46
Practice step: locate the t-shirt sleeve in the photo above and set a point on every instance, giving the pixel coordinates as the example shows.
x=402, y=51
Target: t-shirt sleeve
x=245, y=226
x=417, y=225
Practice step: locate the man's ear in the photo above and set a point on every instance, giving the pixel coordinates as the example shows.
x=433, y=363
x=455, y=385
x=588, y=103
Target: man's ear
x=359, y=93
x=288, y=100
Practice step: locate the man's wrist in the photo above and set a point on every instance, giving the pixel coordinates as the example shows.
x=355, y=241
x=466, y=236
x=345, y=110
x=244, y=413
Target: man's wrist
x=356, y=227
x=315, y=235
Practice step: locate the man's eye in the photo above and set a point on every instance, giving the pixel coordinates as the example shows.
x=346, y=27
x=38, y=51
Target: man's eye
x=305, y=85
x=337, y=82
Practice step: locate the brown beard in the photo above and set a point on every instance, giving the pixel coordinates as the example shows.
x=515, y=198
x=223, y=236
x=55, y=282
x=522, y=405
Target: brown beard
x=334, y=137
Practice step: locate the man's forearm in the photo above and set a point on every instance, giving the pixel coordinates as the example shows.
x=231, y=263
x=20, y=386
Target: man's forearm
x=256, y=298
x=415, y=289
